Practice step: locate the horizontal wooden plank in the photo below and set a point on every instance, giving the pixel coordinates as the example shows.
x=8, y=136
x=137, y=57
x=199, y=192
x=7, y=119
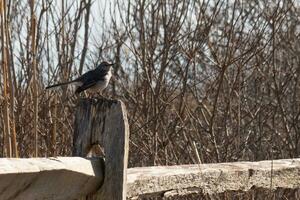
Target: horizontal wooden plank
x=168, y=181
x=61, y=178
x=66, y=178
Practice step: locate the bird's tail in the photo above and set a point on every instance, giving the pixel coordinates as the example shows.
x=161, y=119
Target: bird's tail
x=60, y=84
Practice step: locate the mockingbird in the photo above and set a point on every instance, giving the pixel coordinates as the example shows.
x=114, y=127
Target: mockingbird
x=93, y=81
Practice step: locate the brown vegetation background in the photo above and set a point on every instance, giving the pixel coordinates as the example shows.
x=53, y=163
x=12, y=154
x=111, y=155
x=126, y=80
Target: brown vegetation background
x=203, y=81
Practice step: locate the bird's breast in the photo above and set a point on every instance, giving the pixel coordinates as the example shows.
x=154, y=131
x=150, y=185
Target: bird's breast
x=101, y=85
x=108, y=76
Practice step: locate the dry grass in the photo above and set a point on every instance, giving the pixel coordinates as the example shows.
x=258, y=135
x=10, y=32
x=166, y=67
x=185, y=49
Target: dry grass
x=209, y=82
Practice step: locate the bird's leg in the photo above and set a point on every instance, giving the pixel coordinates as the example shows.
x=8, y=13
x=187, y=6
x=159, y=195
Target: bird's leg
x=86, y=95
x=93, y=95
x=100, y=95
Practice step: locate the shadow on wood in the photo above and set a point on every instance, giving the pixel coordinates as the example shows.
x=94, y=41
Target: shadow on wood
x=58, y=178
x=104, y=122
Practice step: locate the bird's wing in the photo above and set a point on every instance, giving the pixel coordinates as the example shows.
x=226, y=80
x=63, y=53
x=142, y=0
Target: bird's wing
x=85, y=86
x=92, y=75
x=90, y=79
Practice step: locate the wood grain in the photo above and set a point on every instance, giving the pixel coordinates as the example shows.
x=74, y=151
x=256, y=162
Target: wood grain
x=66, y=178
x=104, y=122
x=180, y=180
x=61, y=178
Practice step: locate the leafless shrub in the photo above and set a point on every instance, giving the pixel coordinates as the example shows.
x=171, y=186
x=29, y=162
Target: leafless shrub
x=222, y=75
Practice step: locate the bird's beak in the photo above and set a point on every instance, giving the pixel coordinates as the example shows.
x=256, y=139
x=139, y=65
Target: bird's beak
x=111, y=64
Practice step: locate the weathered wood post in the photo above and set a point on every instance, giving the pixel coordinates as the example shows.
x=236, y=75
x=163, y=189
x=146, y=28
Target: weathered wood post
x=104, y=122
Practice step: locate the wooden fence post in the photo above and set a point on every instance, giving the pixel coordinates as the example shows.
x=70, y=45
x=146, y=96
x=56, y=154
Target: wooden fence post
x=104, y=122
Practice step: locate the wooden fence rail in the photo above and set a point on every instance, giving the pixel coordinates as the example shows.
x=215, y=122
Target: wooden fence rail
x=61, y=178
x=213, y=179
x=101, y=128
x=66, y=178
